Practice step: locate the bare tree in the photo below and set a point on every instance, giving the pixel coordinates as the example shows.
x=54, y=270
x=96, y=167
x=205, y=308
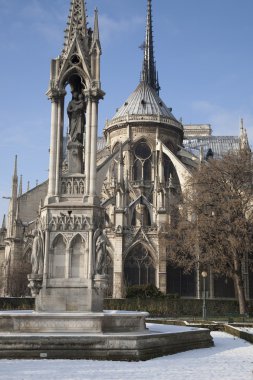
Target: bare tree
x=214, y=227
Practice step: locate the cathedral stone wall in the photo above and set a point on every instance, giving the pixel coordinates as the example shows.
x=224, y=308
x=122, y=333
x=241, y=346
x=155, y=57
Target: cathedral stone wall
x=29, y=202
x=2, y=255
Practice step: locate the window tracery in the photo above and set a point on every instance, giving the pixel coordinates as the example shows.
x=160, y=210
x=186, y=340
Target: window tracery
x=142, y=167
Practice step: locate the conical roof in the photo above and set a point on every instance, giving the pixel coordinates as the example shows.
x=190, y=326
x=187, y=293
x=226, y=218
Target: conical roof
x=144, y=101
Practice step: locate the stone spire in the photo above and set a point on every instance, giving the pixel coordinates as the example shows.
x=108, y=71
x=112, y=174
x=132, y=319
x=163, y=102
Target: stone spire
x=95, y=36
x=4, y=222
x=149, y=74
x=244, y=141
x=77, y=23
x=13, y=200
x=14, y=192
x=20, y=191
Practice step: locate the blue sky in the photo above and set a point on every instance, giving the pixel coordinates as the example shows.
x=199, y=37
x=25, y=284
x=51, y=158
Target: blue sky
x=204, y=57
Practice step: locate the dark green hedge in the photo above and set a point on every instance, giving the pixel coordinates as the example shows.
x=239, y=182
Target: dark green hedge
x=157, y=307
x=16, y=303
x=175, y=308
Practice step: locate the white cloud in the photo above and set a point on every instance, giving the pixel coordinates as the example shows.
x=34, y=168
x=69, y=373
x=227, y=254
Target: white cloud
x=224, y=121
x=110, y=28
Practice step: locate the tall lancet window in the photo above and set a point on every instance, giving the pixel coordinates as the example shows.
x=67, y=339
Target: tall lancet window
x=78, y=263
x=142, y=167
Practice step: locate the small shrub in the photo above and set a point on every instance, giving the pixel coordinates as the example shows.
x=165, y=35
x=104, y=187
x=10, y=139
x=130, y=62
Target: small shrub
x=143, y=291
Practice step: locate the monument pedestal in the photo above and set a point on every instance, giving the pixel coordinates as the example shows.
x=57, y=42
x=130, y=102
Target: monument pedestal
x=101, y=336
x=65, y=299
x=85, y=323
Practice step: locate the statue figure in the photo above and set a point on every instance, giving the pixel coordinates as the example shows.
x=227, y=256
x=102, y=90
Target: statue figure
x=7, y=259
x=7, y=254
x=37, y=257
x=100, y=253
x=76, y=114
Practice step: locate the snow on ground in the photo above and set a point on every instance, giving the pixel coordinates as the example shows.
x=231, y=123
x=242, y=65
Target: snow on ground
x=246, y=329
x=230, y=359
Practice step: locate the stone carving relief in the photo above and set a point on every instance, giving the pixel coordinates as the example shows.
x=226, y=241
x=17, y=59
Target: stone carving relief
x=103, y=254
x=68, y=223
x=37, y=261
x=72, y=186
x=101, y=243
x=37, y=257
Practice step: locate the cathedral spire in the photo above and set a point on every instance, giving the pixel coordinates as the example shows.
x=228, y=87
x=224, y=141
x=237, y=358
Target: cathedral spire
x=20, y=191
x=149, y=74
x=96, y=27
x=243, y=138
x=13, y=200
x=77, y=22
x=4, y=222
x=15, y=179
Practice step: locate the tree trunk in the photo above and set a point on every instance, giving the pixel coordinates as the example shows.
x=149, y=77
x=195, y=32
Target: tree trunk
x=240, y=293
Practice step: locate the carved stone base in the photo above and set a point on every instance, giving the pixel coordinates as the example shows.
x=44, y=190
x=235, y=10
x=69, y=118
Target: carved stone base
x=76, y=299
x=106, y=336
x=101, y=281
x=75, y=157
x=35, y=283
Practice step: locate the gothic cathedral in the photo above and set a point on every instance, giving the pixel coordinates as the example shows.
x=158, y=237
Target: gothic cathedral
x=106, y=201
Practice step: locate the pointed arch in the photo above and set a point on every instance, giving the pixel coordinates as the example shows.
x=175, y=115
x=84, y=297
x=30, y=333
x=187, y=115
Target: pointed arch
x=142, y=160
x=72, y=71
x=68, y=68
x=59, y=253
x=78, y=257
x=147, y=212
x=145, y=139
x=145, y=244
x=139, y=266
x=59, y=236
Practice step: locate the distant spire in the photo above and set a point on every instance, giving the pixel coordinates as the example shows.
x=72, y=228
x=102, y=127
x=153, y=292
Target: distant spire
x=96, y=27
x=15, y=174
x=149, y=74
x=241, y=127
x=20, y=191
x=15, y=179
x=95, y=34
x=13, y=201
x=77, y=22
x=244, y=141
x=28, y=186
x=4, y=222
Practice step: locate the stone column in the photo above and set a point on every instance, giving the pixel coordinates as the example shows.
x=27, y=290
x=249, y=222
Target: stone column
x=93, y=145
x=118, y=270
x=46, y=257
x=88, y=143
x=53, y=147
x=68, y=258
x=91, y=254
x=59, y=143
x=162, y=271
